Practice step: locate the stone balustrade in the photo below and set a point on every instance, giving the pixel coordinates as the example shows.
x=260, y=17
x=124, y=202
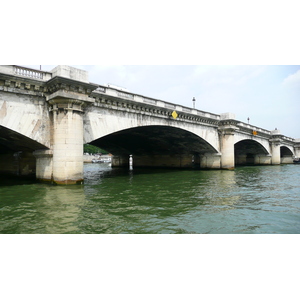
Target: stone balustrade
x=248, y=127
x=21, y=71
x=119, y=95
x=26, y=72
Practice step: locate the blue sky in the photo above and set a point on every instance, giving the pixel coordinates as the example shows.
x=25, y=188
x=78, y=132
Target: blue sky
x=267, y=94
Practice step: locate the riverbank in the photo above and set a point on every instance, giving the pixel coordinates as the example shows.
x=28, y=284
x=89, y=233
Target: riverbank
x=90, y=158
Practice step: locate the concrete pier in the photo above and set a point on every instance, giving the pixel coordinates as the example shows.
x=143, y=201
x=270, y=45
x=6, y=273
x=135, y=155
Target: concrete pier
x=275, y=147
x=68, y=98
x=227, y=130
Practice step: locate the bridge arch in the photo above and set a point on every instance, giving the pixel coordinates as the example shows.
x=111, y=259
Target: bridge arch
x=249, y=151
x=286, y=155
x=103, y=122
x=27, y=116
x=157, y=146
x=154, y=140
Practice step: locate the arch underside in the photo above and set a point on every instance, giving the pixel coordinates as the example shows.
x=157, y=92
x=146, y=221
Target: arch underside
x=249, y=147
x=16, y=153
x=285, y=151
x=153, y=140
x=245, y=152
x=11, y=141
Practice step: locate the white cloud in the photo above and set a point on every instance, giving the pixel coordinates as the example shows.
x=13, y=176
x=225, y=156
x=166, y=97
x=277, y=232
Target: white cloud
x=292, y=80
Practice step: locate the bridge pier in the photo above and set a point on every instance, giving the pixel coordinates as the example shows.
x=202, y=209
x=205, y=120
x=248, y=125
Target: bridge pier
x=44, y=159
x=67, y=144
x=262, y=159
x=63, y=164
x=227, y=130
x=297, y=148
x=69, y=95
x=275, y=149
x=210, y=161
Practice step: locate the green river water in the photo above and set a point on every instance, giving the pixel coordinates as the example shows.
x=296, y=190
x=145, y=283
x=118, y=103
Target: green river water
x=250, y=199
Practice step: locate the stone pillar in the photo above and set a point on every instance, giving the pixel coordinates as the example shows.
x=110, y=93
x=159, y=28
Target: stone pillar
x=275, y=147
x=227, y=149
x=227, y=129
x=210, y=161
x=297, y=147
x=67, y=142
x=262, y=159
x=68, y=96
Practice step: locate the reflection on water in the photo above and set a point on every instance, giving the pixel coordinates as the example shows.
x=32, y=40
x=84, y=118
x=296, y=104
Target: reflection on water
x=39, y=208
x=261, y=199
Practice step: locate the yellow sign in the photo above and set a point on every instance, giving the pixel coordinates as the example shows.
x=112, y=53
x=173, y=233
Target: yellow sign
x=174, y=114
x=254, y=132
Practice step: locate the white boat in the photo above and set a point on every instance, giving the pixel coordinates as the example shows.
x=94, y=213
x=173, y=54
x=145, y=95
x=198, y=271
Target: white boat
x=102, y=160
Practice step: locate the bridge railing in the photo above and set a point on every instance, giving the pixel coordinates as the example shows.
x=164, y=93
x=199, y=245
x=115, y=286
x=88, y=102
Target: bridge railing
x=32, y=73
x=109, y=91
x=288, y=139
x=254, y=128
x=26, y=72
x=267, y=132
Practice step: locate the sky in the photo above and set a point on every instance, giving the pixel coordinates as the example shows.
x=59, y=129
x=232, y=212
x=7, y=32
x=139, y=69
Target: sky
x=266, y=94
x=232, y=56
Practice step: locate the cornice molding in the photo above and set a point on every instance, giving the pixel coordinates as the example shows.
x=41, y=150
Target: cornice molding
x=69, y=85
x=20, y=85
x=151, y=110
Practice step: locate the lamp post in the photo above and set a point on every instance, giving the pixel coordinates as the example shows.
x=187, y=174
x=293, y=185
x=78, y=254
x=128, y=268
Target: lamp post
x=248, y=120
x=194, y=100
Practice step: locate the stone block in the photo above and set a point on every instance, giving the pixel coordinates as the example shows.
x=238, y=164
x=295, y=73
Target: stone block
x=228, y=116
x=70, y=72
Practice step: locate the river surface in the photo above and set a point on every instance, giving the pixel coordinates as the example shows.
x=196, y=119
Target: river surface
x=248, y=200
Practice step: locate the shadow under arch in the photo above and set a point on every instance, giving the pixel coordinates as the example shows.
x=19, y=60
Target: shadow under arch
x=153, y=140
x=286, y=155
x=12, y=141
x=16, y=153
x=285, y=151
x=245, y=152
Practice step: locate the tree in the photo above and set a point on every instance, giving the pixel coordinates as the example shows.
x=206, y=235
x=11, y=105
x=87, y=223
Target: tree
x=87, y=148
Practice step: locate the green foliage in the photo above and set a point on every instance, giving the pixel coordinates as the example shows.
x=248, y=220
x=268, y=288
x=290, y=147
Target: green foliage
x=93, y=149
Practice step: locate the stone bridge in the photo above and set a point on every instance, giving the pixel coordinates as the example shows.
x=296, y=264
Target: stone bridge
x=46, y=117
